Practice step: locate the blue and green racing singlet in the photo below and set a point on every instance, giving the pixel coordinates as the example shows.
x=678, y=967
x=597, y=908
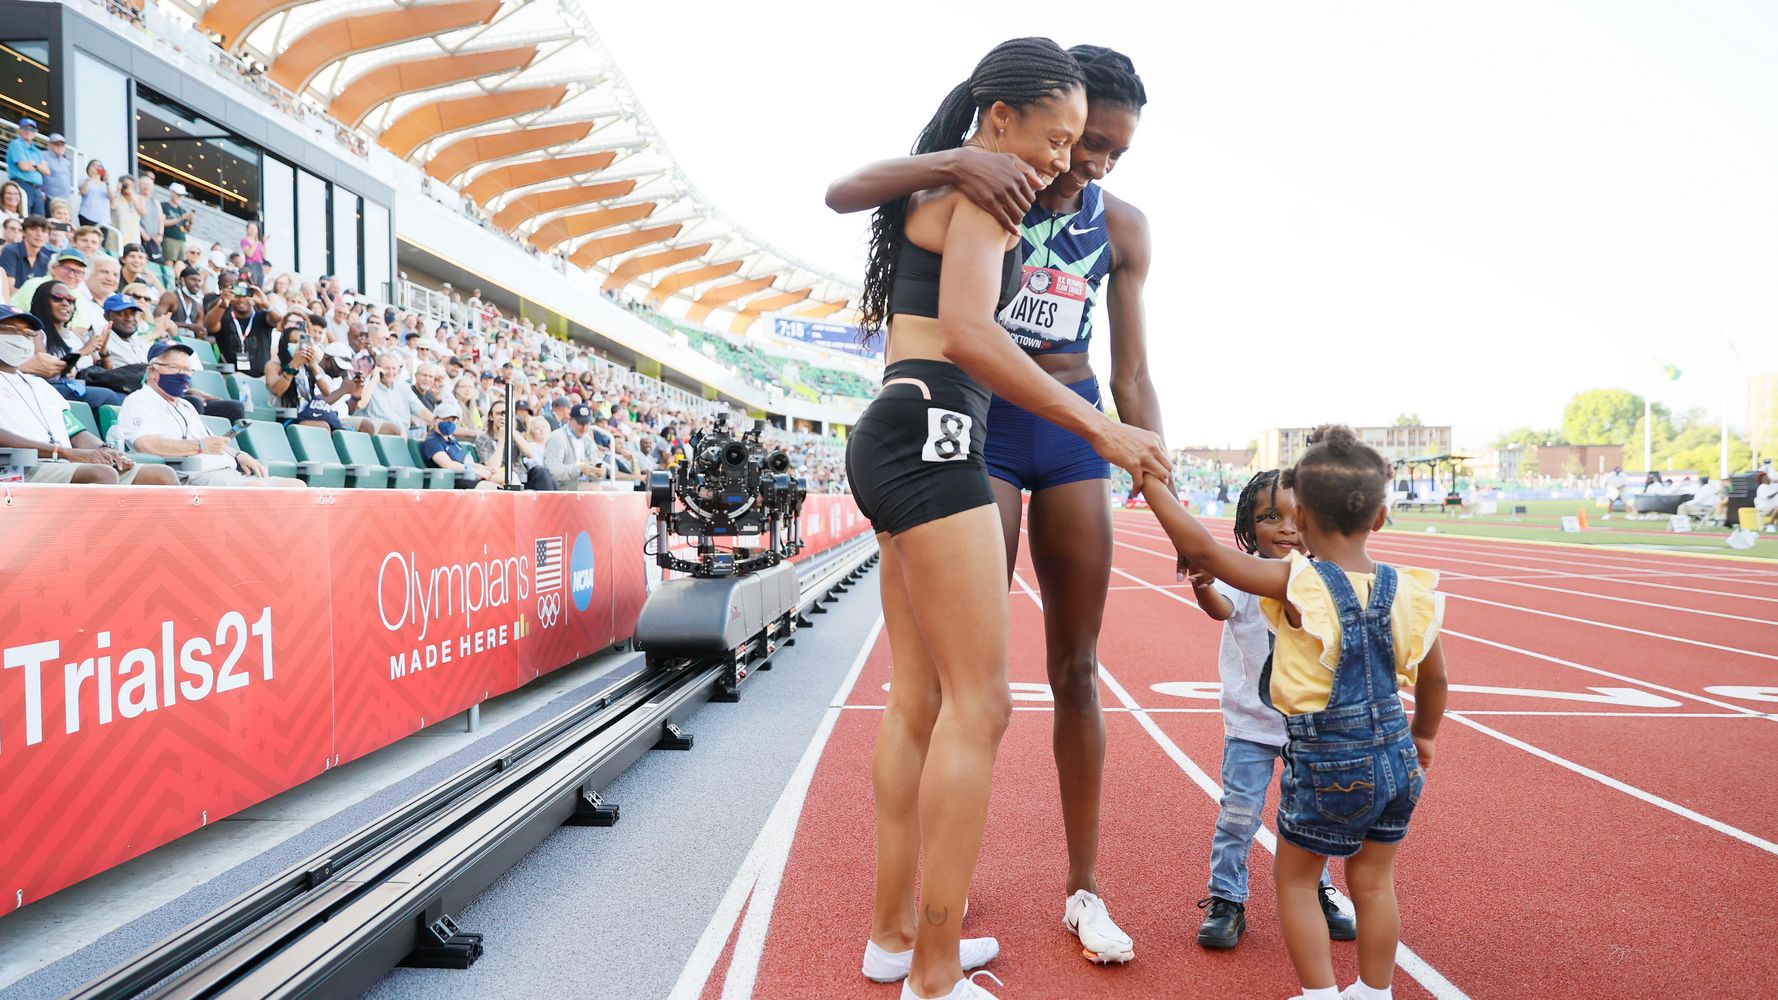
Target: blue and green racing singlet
x=1066, y=257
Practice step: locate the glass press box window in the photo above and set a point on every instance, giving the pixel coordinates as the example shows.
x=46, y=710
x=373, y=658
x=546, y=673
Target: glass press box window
x=216, y=167
x=24, y=83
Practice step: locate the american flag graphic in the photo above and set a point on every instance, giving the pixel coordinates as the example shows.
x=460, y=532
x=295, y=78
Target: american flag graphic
x=549, y=564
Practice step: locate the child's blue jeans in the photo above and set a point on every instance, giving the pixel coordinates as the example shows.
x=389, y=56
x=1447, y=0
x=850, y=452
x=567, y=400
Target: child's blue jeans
x=1246, y=778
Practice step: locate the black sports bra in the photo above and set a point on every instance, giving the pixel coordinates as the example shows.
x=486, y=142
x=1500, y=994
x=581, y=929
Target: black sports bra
x=915, y=292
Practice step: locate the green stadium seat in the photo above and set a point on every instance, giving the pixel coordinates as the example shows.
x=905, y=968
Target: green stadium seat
x=84, y=413
x=252, y=393
x=218, y=426
x=265, y=440
x=204, y=352
x=210, y=384
x=107, y=417
x=314, y=447
x=360, y=456
x=399, y=452
x=359, y=448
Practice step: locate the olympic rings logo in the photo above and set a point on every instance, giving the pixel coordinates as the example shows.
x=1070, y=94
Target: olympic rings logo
x=549, y=609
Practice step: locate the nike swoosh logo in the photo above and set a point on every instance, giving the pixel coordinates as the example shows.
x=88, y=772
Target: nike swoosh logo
x=1081, y=232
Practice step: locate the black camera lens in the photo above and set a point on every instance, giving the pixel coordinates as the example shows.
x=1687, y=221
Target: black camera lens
x=778, y=461
x=734, y=455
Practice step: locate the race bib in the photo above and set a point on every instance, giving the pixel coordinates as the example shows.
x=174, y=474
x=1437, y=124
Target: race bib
x=947, y=435
x=1047, y=310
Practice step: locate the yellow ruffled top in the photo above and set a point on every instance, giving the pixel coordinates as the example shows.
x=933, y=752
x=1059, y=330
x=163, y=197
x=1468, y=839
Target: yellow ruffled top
x=1303, y=659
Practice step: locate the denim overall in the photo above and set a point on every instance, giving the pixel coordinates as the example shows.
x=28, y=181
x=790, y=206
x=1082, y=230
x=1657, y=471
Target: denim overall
x=1351, y=772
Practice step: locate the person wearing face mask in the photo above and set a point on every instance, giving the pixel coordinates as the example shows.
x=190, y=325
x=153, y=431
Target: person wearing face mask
x=442, y=450
x=296, y=379
x=34, y=416
x=157, y=420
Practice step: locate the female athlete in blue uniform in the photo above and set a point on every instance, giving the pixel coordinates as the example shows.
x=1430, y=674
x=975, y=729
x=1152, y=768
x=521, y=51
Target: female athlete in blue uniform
x=1073, y=235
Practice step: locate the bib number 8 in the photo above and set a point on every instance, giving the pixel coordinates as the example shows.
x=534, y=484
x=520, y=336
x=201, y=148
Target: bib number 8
x=947, y=436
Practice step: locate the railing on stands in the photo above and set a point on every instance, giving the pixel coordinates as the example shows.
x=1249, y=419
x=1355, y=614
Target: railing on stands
x=176, y=38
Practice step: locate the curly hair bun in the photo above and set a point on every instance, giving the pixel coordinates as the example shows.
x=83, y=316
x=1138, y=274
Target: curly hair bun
x=1356, y=502
x=1337, y=438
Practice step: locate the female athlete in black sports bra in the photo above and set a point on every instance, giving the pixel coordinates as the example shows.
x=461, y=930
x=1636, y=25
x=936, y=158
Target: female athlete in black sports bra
x=1066, y=229
x=915, y=461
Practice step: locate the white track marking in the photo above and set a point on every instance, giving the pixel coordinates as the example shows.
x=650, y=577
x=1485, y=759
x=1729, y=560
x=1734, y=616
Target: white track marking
x=1415, y=549
x=1628, y=789
x=1581, y=557
x=1171, y=557
x=1416, y=967
x=755, y=886
x=1606, y=780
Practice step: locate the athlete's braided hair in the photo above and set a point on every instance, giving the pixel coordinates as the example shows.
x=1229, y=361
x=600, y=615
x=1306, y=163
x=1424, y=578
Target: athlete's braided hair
x=1246, y=532
x=1019, y=73
x=1111, y=76
x=1341, y=479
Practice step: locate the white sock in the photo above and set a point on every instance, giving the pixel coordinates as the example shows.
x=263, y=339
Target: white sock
x=1362, y=990
x=1324, y=993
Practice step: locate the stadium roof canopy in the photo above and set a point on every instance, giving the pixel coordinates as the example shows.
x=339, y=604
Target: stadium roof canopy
x=517, y=105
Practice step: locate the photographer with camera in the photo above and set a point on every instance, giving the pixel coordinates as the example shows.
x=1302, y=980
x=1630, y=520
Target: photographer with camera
x=245, y=328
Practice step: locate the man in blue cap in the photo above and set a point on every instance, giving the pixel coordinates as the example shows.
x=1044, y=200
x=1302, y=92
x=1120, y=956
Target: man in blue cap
x=34, y=417
x=158, y=420
x=25, y=163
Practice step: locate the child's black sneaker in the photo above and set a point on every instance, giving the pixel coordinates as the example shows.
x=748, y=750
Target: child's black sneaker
x=1224, y=922
x=1340, y=927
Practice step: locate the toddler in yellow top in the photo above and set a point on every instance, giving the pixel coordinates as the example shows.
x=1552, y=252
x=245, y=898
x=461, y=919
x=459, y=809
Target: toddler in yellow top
x=1350, y=633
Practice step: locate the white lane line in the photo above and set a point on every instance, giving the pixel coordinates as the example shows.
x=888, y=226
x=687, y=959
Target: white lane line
x=1618, y=715
x=1651, y=685
x=1628, y=789
x=1607, y=780
x=1416, y=967
x=1052, y=708
x=1171, y=557
x=1397, y=546
x=1619, y=561
x=755, y=886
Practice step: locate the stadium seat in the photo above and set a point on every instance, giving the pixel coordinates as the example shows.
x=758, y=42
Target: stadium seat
x=314, y=445
x=360, y=455
x=210, y=384
x=84, y=413
x=399, y=452
x=252, y=393
x=218, y=426
x=204, y=352
x=107, y=417
x=265, y=440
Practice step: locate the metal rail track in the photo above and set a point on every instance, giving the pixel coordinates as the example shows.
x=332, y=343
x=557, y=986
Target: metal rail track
x=337, y=922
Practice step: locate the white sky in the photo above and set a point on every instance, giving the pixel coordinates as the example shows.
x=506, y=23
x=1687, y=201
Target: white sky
x=1465, y=211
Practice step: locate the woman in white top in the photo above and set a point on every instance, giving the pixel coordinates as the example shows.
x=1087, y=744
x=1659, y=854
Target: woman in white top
x=13, y=203
x=277, y=296
x=126, y=212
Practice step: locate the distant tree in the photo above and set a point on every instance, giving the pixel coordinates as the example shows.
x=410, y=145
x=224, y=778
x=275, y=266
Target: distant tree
x=1699, y=448
x=1529, y=437
x=1408, y=420
x=1601, y=416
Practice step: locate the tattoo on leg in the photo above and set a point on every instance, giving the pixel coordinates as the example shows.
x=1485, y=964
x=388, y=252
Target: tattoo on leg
x=937, y=917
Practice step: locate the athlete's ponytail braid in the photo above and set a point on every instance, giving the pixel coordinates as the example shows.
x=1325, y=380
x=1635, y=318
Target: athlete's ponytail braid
x=1019, y=73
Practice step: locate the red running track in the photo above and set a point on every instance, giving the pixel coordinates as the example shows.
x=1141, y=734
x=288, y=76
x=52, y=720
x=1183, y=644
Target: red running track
x=1624, y=846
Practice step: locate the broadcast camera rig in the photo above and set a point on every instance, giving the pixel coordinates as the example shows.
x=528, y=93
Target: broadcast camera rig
x=736, y=603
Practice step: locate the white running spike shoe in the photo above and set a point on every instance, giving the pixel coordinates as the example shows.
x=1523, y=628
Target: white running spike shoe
x=1101, y=940
x=882, y=966
x=966, y=989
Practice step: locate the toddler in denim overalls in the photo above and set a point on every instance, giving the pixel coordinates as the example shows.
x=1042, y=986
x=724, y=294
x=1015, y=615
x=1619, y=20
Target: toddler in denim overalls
x=1354, y=761
x=1351, y=770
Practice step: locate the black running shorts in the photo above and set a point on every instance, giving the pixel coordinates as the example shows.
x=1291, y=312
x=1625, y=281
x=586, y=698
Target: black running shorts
x=916, y=453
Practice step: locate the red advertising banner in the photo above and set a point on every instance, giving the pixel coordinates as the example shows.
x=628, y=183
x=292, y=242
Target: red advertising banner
x=167, y=662
x=174, y=656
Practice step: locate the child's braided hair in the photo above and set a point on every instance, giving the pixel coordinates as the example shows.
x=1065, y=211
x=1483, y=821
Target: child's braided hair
x=1246, y=535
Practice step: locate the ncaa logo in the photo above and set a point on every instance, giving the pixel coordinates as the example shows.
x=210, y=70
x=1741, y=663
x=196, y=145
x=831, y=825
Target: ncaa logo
x=580, y=572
